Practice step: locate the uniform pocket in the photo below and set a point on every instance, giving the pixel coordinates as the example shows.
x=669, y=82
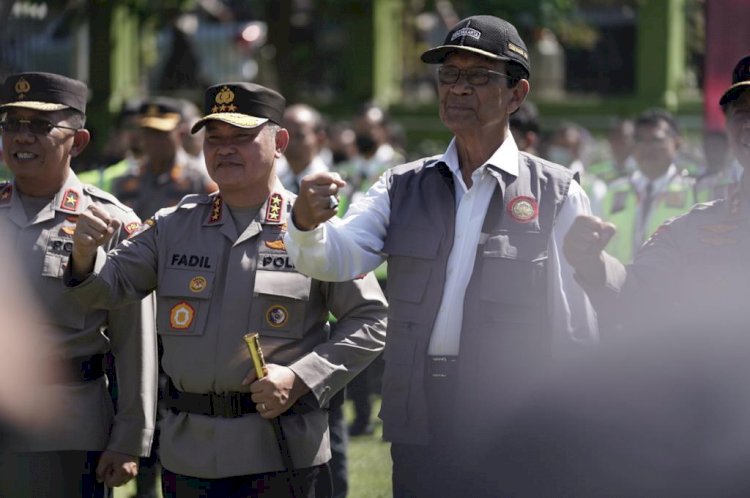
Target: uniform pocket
x=279, y=303
x=184, y=300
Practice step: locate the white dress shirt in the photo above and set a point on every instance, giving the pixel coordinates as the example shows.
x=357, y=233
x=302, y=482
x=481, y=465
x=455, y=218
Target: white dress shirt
x=341, y=249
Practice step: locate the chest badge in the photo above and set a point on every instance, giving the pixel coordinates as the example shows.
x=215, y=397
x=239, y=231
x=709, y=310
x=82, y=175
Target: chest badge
x=523, y=209
x=181, y=316
x=197, y=284
x=277, y=316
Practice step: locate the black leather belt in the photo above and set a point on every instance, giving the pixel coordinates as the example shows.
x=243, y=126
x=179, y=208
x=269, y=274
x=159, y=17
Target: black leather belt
x=442, y=366
x=228, y=405
x=87, y=368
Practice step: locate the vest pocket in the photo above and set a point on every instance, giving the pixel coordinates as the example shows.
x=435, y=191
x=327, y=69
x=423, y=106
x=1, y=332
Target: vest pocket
x=399, y=354
x=279, y=303
x=183, y=302
x=411, y=253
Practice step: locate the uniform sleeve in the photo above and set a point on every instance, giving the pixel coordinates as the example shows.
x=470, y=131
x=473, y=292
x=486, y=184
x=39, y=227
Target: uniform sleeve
x=342, y=249
x=356, y=338
x=573, y=316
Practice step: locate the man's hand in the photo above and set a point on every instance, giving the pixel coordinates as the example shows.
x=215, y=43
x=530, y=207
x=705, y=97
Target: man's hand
x=313, y=205
x=95, y=227
x=277, y=391
x=583, y=246
x=115, y=469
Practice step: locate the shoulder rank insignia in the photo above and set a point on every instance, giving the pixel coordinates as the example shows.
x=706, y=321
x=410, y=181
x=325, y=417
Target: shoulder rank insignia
x=6, y=193
x=523, y=209
x=132, y=227
x=217, y=207
x=142, y=227
x=70, y=200
x=273, y=208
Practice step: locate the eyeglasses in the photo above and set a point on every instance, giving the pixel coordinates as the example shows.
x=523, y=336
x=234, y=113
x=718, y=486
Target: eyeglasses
x=35, y=126
x=476, y=76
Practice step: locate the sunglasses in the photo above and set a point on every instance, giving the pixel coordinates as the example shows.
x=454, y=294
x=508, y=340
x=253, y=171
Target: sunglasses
x=35, y=126
x=476, y=76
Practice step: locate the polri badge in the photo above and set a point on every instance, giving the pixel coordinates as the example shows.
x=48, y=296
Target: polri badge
x=277, y=316
x=198, y=284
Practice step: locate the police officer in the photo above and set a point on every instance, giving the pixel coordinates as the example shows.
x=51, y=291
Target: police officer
x=167, y=173
x=42, y=130
x=657, y=191
x=477, y=298
x=694, y=271
x=220, y=269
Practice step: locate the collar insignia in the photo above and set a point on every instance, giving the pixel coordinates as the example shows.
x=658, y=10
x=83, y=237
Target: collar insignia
x=273, y=209
x=70, y=200
x=216, y=209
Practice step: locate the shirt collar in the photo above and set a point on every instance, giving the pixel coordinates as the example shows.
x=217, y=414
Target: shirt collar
x=505, y=158
x=639, y=180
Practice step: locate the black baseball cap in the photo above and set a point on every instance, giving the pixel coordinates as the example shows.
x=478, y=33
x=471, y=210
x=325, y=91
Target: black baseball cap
x=488, y=36
x=43, y=92
x=740, y=81
x=246, y=105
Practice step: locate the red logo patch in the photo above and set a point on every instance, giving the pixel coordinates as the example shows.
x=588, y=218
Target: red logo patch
x=523, y=209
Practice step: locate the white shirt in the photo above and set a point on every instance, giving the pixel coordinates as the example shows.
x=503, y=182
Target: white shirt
x=341, y=249
x=639, y=181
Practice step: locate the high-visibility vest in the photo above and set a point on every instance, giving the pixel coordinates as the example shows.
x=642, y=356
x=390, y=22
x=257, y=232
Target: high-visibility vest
x=621, y=208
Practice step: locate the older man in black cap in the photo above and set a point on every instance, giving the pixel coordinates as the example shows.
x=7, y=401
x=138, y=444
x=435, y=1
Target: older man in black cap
x=479, y=296
x=220, y=269
x=43, y=118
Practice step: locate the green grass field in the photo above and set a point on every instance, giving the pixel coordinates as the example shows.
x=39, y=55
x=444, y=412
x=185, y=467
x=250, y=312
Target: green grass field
x=369, y=462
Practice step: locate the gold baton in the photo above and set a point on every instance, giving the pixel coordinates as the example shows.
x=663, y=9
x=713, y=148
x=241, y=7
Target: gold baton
x=253, y=345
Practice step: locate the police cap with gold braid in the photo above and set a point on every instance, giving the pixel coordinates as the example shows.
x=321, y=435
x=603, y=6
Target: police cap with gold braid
x=43, y=92
x=245, y=105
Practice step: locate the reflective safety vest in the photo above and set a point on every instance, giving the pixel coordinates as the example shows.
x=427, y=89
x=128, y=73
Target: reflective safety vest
x=621, y=207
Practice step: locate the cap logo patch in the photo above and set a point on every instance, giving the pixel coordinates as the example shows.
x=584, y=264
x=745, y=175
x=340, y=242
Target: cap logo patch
x=277, y=316
x=515, y=48
x=22, y=87
x=523, y=209
x=197, y=284
x=224, y=99
x=470, y=32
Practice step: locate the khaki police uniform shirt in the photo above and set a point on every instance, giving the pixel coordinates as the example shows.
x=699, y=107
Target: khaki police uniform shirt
x=214, y=285
x=43, y=245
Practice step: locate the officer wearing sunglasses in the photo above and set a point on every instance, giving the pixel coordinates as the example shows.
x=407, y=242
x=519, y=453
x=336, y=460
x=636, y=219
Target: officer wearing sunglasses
x=42, y=126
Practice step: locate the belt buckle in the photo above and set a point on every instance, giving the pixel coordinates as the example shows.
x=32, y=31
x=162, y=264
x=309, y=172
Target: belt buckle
x=224, y=405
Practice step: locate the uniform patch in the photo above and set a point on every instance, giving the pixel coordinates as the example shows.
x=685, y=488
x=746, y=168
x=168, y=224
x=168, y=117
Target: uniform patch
x=66, y=230
x=181, y=316
x=131, y=228
x=70, y=201
x=144, y=226
x=276, y=244
x=277, y=316
x=197, y=284
x=273, y=209
x=216, y=208
x=275, y=262
x=6, y=193
x=523, y=209
x=60, y=247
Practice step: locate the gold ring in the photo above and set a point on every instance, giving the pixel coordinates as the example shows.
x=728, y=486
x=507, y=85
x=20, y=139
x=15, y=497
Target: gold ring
x=262, y=407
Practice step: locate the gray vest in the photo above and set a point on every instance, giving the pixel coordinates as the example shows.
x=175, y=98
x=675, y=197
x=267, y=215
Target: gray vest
x=505, y=310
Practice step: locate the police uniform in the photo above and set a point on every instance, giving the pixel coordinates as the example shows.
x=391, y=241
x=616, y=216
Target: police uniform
x=80, y=335
x=214, y=285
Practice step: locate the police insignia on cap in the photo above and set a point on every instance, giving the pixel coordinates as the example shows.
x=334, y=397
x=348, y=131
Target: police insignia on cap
x=70, y=200
x=181, y=316
x=224, y=99
x=273, y=211
x=197, y=284
x=22, y=87
x=523, y=209
x=277, y=316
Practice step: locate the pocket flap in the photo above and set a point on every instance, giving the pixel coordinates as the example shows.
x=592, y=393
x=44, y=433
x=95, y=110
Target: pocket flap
x=289, y=284
x=524, y=246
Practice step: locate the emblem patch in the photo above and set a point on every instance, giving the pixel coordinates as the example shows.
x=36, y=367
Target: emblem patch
x=197, y=284
x=277, y=316
x=273, y=211
x=523, y=209
x=181, y=316
x=22, y=87
x=225, y=101
x=276, y=244
x=67, y=230
x=131, y=228
x=70, y=200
